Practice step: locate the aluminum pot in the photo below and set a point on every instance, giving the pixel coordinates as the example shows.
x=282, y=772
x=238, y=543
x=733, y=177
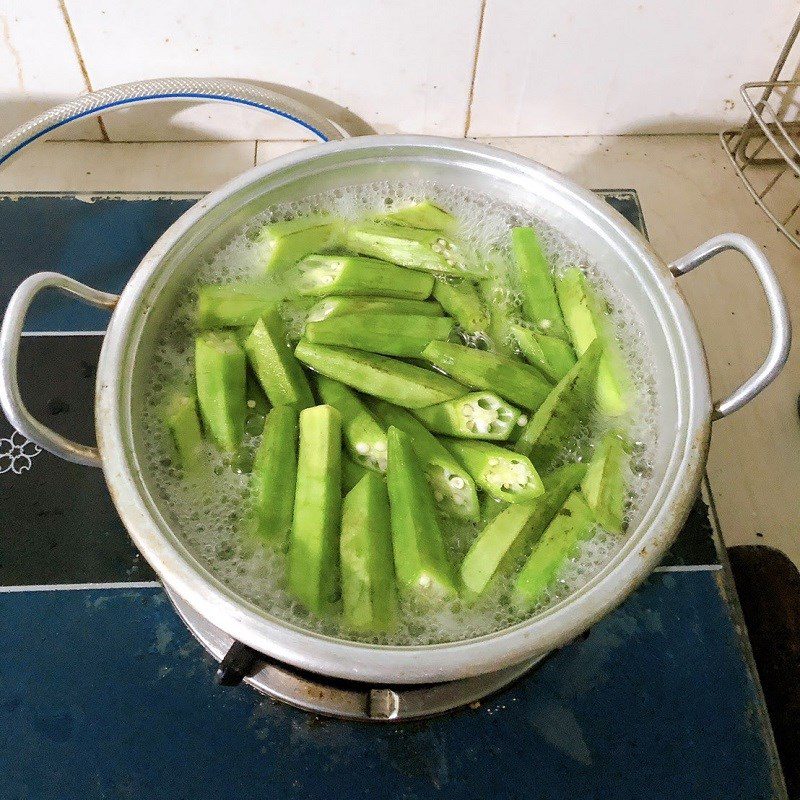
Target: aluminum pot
x=681, y=376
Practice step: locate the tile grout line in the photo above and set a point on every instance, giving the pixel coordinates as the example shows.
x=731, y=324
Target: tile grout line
x=468, y=116
x=73, y=587
x=81, y=63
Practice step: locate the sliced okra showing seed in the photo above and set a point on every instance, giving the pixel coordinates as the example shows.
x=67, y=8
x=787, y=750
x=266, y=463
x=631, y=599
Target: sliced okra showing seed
x=314, y=541
x=461, y=301
x=233, y=305
x=380, y=376
x=352, y=473
x=520, y=384
x=572, y=524
x=502, y=315
x=273, y=362
x=221, y=378
x=409, y=247
x=424, y=215
x=369, y=599
x=587, y=321
x=564, y=414
x=539, y=301
x=551, y=355
x=273, y=476
x=604, y=485
x=285, y=243
x=180, y=417
x=404, y=335
x=421, y=562
x=453, y=488
x=337, y=306
x=503, y=473
x=320, y=276
x=364, y=436
x=478, y=415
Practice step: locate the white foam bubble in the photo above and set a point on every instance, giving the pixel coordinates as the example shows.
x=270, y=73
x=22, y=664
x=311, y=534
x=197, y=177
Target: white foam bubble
x=207, y=511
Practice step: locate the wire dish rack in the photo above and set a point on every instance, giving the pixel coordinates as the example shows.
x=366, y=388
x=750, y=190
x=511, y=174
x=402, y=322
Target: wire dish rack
x=765, y=152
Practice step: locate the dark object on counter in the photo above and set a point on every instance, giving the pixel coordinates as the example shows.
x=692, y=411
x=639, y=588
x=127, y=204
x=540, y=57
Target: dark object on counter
x=768, y=584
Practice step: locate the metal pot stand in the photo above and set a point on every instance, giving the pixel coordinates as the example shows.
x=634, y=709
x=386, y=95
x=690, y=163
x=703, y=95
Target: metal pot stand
x=336, y=698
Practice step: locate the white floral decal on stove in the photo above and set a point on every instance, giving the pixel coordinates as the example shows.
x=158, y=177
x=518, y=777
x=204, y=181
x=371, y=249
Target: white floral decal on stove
x=16, y=453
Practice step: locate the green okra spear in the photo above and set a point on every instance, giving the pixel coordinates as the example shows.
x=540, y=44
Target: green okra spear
x=551, y=355
x=233, y=305
x=336, y=306
x=364, y=436
x=478, y=415
x=403, y=335
x=453, y=488
x=380, y=376
x=604, y=486
x=564, y=413
x=573, y=524
x=520, y=384
x=321, y=276
x=314, y=540
x=461, y=301
x=539, y=300
x=503, y=473
x=275, y=365
x=420, y=557
x=369, y=600
x=285, y=243
x=352, y=473
x=273, y=477
x=424, y=215
x=499, y=544
x=181, y=418
x=221, y=378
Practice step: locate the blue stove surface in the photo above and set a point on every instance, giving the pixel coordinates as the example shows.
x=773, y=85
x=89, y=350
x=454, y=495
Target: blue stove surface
x=105, y=694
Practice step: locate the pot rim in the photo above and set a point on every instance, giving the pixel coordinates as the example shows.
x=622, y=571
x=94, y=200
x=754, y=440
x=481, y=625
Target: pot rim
x=404, y=664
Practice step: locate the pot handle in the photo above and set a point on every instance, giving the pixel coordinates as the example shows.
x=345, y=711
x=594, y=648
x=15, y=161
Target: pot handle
x=10, y=334
x=778, y=310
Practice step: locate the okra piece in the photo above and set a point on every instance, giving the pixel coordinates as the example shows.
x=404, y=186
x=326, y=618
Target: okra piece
x=404, y=335
x=352, y=473
x=221, y=376
x=573, y=524
x=420, y=558
x=274, y=364
x=336, y=306
x=502, y=315
x=493, y=543
x=551, y=355
x=539, y=300
x=462, y=302
x=380, y=376
x=520, y=384
x=314, y=540
x=409, y=247
x=233, y=305
x=565, y=412
x=587, y=321
x=364, y=436
x=273, y=477
x=604, y=485
x=285, y=243
x=369, y=600
x=320, y=276
x=478, y=415
x=184, y=426
x=453, y=488
x=503, y=473
x=424, y=215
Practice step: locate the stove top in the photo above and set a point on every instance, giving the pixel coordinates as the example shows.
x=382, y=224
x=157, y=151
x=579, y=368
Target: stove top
x=105, y=693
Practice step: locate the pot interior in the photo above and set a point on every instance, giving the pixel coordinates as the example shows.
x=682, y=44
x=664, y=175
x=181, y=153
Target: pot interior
x=608, y=240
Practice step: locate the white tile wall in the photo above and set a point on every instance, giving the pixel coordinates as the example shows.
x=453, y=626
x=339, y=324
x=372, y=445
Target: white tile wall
x=402, y=66
x=619, y=66
x=38, y=65
x=542, y=68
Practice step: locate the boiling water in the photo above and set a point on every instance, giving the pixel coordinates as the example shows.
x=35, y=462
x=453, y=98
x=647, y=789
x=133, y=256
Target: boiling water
x=207, y=511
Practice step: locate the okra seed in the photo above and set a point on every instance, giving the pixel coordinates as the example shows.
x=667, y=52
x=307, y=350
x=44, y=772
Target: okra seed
x=436, y=248
x=439, y=497
x=251, y=403
x=494, y=461
x=362, y=448
x=450, y=262
x=523, y=420
x=441, y=242
x=469, y=409
x=457, y=483
x=545, y=323
x=380, y=447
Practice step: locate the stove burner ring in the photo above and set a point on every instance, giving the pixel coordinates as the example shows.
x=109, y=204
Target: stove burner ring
x=332, y=697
